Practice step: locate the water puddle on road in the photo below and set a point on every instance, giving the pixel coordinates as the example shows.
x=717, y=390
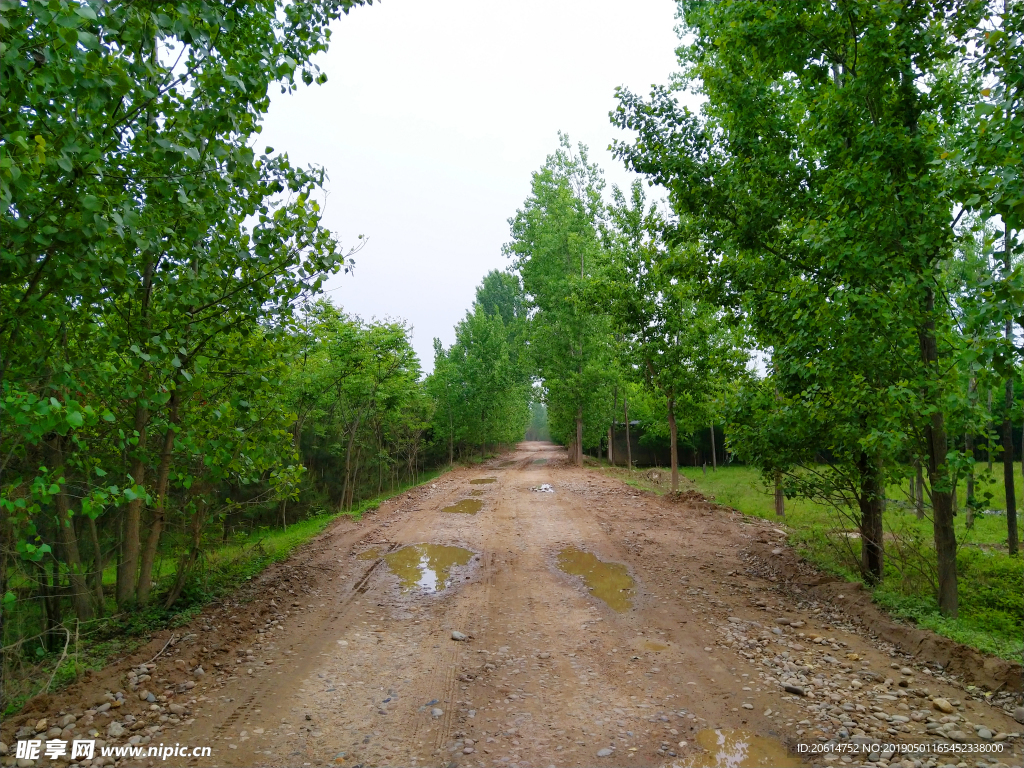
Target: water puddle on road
x=370, y=554
x=540, y=461
x=426, y=568
x=609, y=581
x=732, y=748
x=476, y=492
x=482, y=480
x=465, y=507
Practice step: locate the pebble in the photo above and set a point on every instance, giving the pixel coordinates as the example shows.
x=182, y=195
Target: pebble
x=604, y=752
x=942, y=705
x=907, y=671
x=41, y=725
x=458, y=636
x=436, y=712
x=985, y=733
x=1018, y=714
x=115, y=730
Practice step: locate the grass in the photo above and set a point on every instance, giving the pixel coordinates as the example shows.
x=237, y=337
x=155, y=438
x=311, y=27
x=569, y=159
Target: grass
x=224, y=568
x=991, y=595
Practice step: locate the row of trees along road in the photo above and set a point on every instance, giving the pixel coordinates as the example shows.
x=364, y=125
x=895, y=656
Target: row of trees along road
x=850, y=195
x=168, y=378
x=608, y=314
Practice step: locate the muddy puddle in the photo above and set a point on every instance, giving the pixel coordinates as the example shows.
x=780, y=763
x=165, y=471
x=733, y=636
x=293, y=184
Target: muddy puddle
x=465, y=507
x=426, y=568
x=370, y=554
x=540, y=461
x=609, y=581
x=732, y=748
x=482, y=480
x=476, y=492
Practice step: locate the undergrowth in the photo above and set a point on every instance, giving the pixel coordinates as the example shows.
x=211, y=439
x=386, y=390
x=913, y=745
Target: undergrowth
x=223, y=569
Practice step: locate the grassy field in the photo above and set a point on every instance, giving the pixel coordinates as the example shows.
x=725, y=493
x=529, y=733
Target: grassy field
x=991, y=583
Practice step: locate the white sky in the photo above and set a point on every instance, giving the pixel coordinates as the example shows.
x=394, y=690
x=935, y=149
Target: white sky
x=432, y=120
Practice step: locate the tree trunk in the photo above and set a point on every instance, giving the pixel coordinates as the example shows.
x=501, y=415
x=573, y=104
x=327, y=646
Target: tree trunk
x=942, y=506
x=157, y=523
x=97, y=569
x=69, y=541
x=1008, y=484
x=673, y=448
x=780, y=497
x=918, y=483
x=969, y=505
x=128, y=568
x=629, y=447
x=611, y=437
x=872, y=545
x=187, y=562
x=714, y=452
x=579, y=437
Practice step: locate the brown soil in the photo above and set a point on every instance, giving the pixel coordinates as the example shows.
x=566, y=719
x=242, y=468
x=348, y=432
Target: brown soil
x=360, y=671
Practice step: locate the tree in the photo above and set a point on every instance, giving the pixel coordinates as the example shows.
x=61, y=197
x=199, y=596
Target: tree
x=679, y=345
x=819, y=128
x=557, y=251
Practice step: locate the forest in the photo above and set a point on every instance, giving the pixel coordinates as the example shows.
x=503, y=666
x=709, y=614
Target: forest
x=818, y=275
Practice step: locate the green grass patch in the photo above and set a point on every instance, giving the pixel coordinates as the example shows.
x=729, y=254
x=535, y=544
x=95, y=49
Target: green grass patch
x=991, y=584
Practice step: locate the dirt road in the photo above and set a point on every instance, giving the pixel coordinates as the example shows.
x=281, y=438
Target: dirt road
x=345, y=654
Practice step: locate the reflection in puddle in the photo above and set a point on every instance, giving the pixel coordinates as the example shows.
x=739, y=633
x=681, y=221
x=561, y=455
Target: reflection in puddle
x=731, y=748
x=466, y=507
x=370, y=554
x=482, y=480
x=425, y=567
x=609, y=581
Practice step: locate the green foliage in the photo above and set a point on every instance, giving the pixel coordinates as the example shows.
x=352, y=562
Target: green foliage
x=481, y=384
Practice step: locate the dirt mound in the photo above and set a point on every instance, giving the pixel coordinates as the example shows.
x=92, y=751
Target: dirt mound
x=954, y=658
x=689, y=496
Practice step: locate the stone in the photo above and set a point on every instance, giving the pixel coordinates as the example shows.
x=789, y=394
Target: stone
x=53, y=733
x=958, y=736
x=144, y=694
x=794, y=689
x=3, y=749
x=458, y=636
x=67, y=720
x=151, y=698
x=942, y=705
x=468, y=750
x=177, y=709
x=1018, y=714
x=985, y=734
x=604, y=752
x=41, y=725
x=115, y=730
x=25, y=732
x=436, y=712
x=544, y=655
x=104, y=707
x=782, y=620
x=198, y=672
x=748, y=705
x=906, y=671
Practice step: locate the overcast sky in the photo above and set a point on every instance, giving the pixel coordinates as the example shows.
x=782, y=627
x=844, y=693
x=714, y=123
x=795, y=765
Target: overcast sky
x=432, y=120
